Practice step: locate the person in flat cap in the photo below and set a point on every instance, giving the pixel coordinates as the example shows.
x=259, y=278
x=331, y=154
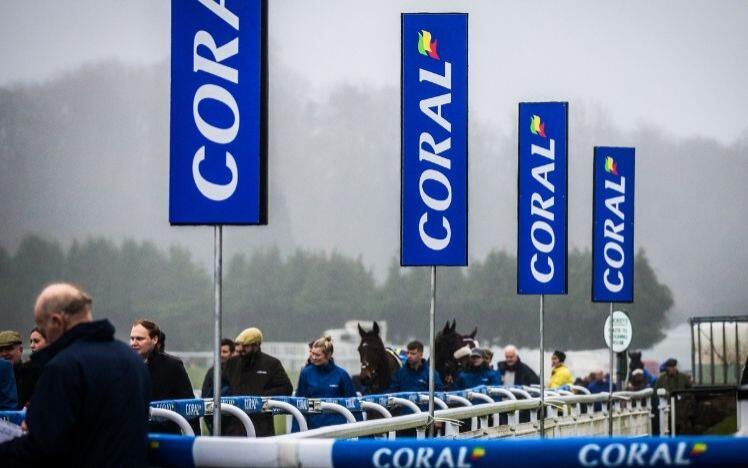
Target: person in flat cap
x=560, y=374
x=24, y=373
x=254, y=373
x=672, y=379
x=478, y=373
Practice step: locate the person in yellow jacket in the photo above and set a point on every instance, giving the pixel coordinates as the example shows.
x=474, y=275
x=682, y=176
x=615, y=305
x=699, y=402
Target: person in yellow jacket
x=560, y=374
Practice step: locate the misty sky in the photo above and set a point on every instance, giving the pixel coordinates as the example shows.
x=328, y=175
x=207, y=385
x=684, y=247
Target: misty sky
x=667, y=76
x=680, y=65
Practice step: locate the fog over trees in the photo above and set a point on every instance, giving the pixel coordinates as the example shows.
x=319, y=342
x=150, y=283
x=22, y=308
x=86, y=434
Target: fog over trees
x=84, y=157
x=296, y=297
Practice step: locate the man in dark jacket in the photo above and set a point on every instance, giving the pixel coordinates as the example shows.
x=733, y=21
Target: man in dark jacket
x=254, y=373
x=414, y=375
x=227, y=350
x=90, y=407
x=515, y=372
x=169, y=380
x=206, y=391
x=672, y=379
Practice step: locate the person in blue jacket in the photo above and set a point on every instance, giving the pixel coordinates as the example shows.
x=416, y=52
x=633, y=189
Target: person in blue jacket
x=414, y=375
x=478, y=373
x=599, y=382
x=323, y=379
x=8, y=396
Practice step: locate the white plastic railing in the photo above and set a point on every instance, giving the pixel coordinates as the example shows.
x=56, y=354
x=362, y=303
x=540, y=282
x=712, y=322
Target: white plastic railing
x=232, y=410
x=368, y=405
x=289, y=408
x=567, y=413
x=174, y=417
x=565, y=417
x=336, y=408
x=397, y=401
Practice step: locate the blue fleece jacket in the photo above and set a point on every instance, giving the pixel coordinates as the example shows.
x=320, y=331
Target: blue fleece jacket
x=8, y=396
x=474, y=377
x=326, y=381
x=407, y=379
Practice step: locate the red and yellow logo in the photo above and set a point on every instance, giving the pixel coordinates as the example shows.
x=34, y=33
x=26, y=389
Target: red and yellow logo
x=426, y=46
x=536, y=126
x=610, y=166
x=698, y=448
x=477, y=453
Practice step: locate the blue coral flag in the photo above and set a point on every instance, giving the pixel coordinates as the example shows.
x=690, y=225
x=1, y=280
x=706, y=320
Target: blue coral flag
x=218, y=144
x=542, y=198
x=434, y=191
x=613, y=225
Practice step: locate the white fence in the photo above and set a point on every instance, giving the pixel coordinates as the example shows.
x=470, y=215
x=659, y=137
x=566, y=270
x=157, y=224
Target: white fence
x=567, y=415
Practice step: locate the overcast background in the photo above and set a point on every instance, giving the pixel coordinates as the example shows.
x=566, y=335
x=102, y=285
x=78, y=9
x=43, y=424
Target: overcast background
x=84, y=97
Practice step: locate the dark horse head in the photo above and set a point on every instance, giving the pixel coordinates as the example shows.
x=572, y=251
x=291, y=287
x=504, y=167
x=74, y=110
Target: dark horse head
x=377, y=363
x=447, y=341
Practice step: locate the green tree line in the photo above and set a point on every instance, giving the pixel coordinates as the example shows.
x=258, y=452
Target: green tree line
x=295, y=297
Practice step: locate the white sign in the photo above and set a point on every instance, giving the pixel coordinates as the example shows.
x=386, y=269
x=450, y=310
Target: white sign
x=622, y=331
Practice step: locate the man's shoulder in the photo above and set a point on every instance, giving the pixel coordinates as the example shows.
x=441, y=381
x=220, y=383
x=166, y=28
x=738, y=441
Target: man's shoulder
x=266, y=359
x=170, y=360
x=683, y=377
x=82, y=354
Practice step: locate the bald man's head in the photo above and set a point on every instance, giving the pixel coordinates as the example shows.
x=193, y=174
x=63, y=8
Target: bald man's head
x=511, y=355
x=59, y=307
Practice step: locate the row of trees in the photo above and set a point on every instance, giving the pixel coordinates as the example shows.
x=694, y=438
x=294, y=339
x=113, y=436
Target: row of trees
x=295, y=297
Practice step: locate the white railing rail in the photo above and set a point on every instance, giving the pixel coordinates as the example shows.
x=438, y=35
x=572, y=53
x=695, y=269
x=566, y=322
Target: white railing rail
x=567, y=415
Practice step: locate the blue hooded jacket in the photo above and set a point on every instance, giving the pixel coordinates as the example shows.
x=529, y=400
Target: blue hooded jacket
x=326, y=381
x=474, y=377
x=90, y=407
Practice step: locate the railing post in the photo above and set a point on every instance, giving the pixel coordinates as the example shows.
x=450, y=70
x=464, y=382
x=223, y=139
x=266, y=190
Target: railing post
x=664, y=411
x=465, y=402
x=743, y=410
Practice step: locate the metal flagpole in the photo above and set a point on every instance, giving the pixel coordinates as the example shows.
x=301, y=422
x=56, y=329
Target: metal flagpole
x=217, y=284
x=610, y=377
x=432, y=350
x=542, y=370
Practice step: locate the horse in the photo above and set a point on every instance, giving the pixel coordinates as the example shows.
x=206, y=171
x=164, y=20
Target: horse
x=377, y=362
x=446, y=342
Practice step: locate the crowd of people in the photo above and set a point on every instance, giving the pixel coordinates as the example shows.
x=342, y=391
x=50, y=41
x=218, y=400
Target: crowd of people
x=87, y=395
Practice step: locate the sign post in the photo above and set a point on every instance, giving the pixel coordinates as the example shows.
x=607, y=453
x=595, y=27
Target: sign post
x=434, y=149
x=613, y=236
x=218, y=130
x=620, y=335
x=542, y=209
